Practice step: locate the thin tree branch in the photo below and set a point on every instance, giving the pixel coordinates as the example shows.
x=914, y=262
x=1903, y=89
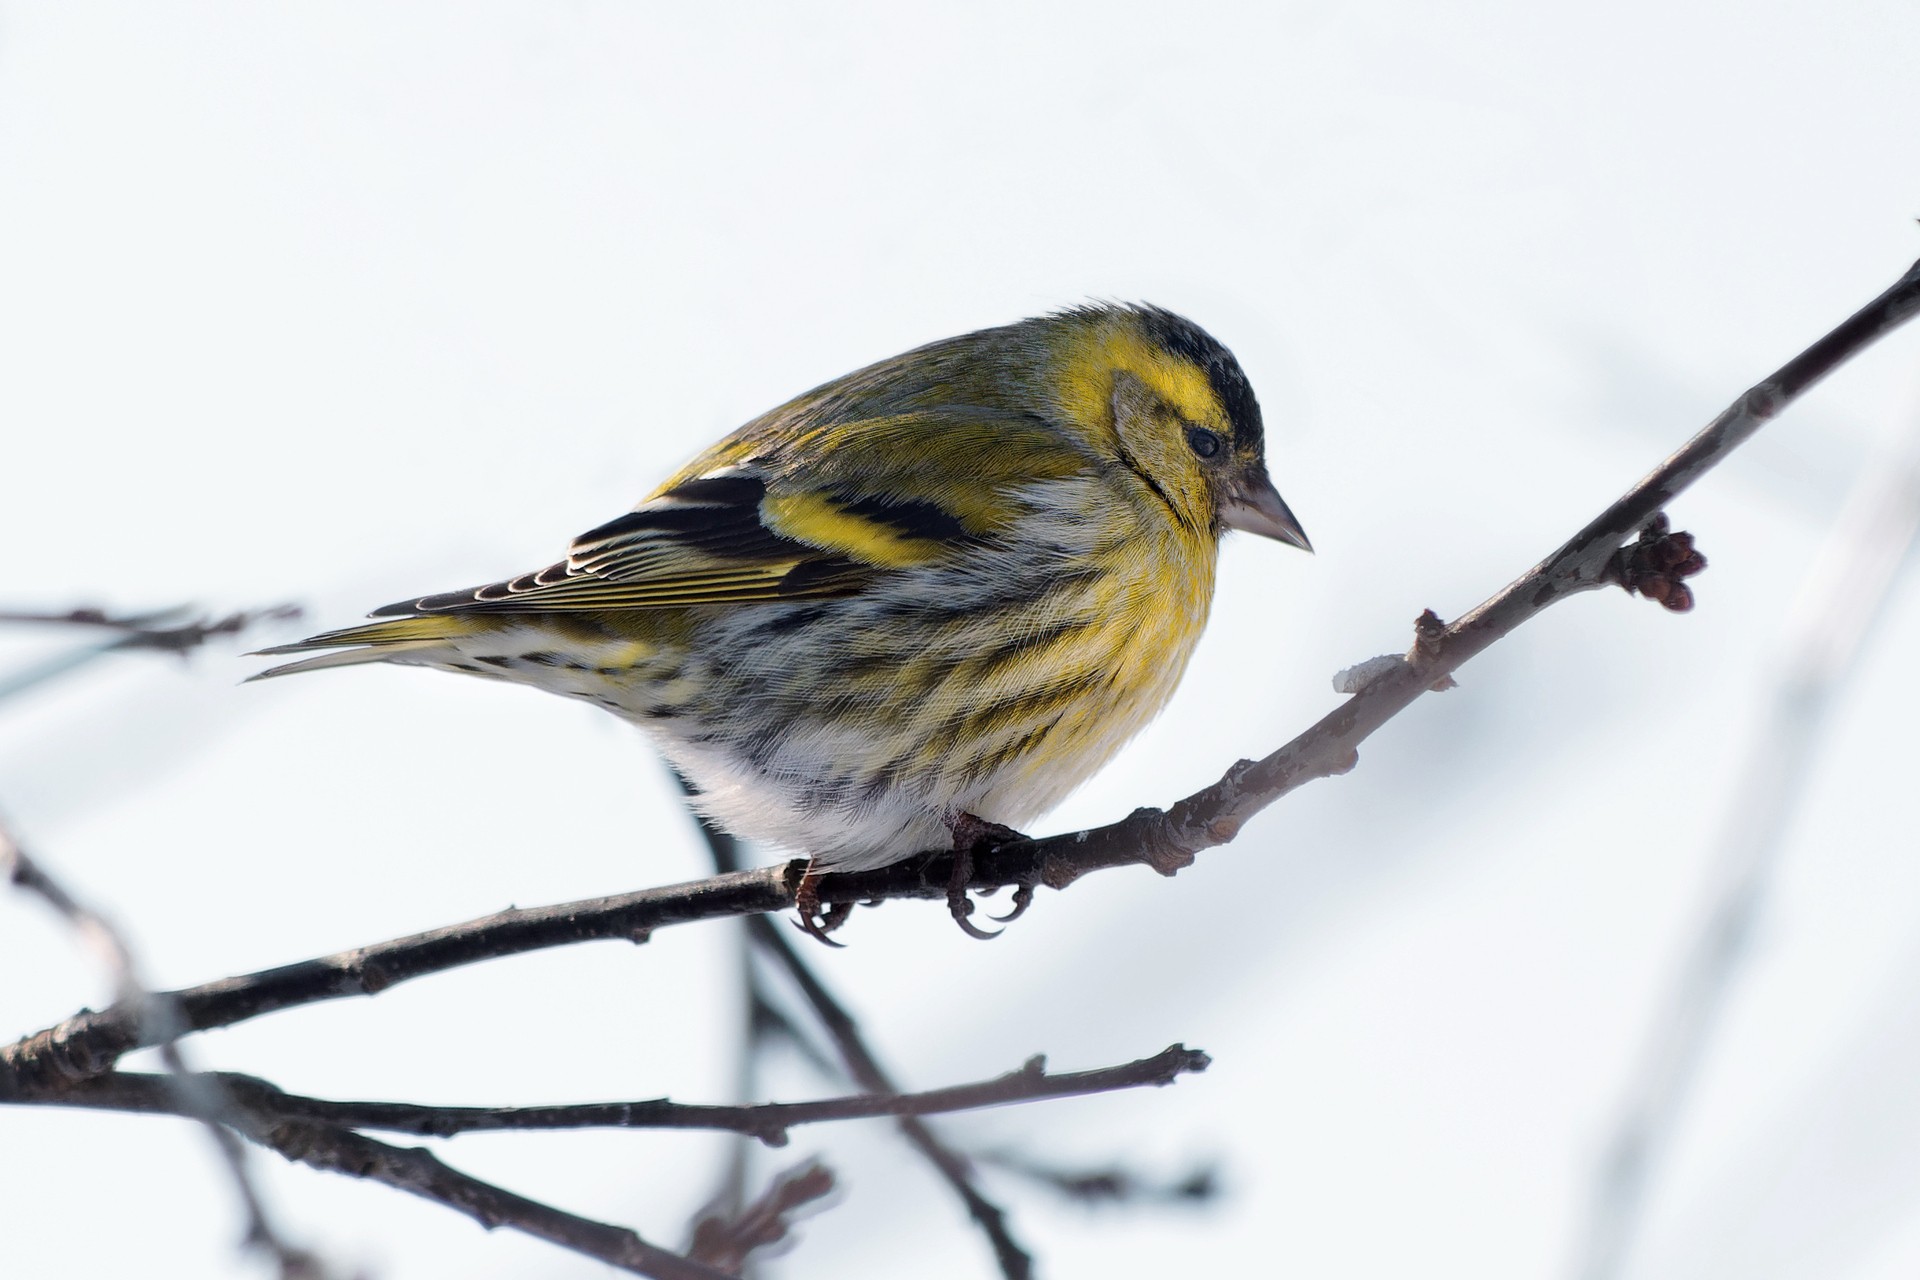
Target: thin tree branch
x=186, y=1092
x=89, y=1043
x=134, y=631
x=769, y=1122
x=419, y=1172
x=1846, y=593
x=1111, y=1184
x=148, y=630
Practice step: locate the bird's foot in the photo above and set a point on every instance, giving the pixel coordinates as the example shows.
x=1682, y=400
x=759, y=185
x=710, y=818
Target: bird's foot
x=806, y=899
x=971, y=833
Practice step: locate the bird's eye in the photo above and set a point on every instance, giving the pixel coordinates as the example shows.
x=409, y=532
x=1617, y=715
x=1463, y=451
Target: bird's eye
x=1203, y=442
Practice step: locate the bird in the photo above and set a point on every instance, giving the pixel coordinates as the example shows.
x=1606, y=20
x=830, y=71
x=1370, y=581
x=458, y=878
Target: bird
x=910, y=609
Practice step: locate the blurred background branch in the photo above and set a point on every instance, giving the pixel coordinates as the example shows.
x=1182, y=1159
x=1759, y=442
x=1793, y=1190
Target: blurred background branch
x=1830, y=625
x=161, y=631
x=188, y=1093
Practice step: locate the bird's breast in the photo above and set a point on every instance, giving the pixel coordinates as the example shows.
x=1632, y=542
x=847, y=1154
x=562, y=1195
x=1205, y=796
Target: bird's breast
x=842, y=727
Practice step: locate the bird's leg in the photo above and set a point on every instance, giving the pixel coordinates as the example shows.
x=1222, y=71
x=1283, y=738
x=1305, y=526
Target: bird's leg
x=806, y=899
x=970, y=833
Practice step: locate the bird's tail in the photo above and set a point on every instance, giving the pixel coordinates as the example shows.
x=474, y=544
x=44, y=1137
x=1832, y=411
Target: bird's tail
x=399, y=639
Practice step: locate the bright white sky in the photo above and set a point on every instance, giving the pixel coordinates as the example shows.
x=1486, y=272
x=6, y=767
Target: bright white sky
x=340, y=303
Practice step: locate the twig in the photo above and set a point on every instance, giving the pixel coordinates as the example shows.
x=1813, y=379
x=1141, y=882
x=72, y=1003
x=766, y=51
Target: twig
x=1846, y=593
x=727, y=1241
x=1110, y=1185
x=188, y=1093
x=419, y=1172
x=146, y=630
x=769, y=1122
x=1167, y=840
x=134, y=631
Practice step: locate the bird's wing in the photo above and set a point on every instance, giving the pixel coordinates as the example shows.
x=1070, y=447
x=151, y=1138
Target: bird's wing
x=794, y=514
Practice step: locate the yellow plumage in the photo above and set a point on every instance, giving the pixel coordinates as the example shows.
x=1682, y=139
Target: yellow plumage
x=935, y=593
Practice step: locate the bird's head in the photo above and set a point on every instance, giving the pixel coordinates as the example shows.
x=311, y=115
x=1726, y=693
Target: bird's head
x=1171, y=403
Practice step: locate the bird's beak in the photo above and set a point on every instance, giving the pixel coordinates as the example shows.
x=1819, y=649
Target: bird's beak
x=1254, y=504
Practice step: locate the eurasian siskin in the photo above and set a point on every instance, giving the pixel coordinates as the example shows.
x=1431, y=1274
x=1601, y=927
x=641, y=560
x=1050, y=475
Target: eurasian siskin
x=923, y=600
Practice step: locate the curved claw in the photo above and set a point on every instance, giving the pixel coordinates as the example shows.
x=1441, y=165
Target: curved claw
x=1022, y=899
x=817, y=931
x=813, y=921
x=961, y=908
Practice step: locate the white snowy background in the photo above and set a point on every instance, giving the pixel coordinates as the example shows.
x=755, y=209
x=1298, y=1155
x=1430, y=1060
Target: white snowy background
x=337, y=303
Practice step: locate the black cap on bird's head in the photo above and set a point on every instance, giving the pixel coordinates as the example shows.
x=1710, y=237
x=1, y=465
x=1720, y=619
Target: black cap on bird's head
x=1181, y=337
x=1250, y=502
